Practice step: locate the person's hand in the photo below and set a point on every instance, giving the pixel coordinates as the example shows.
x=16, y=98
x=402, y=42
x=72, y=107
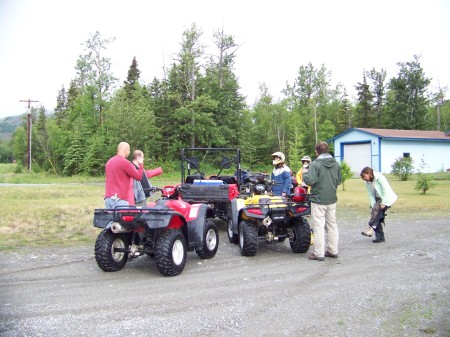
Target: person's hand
x=140, y=160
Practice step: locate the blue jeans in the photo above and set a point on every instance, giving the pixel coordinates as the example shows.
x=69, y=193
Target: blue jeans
x=113, y=202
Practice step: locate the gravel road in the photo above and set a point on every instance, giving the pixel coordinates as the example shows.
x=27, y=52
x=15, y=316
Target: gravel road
x=399, y=288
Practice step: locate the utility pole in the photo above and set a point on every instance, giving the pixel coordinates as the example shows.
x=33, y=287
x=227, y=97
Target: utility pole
x=29, y=101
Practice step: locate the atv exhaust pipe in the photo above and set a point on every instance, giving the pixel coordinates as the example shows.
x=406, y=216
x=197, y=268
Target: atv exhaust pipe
x=116, y=227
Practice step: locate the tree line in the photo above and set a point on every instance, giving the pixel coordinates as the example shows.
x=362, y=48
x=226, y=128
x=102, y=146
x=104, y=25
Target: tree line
x=198, y=103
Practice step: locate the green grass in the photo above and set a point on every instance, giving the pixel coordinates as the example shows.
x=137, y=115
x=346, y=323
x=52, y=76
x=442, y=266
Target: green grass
x=59, y=210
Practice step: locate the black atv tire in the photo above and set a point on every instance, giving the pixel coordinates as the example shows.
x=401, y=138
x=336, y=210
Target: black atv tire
x=248, y=238
x=210, y=241
x=301, y=239
x=232, y=237
x=106, y=258
x=171, y=252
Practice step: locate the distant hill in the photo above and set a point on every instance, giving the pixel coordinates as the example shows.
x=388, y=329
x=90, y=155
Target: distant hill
x=8, y=125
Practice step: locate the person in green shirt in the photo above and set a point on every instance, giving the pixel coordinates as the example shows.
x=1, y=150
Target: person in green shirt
x=381, y=197
x=324, y=175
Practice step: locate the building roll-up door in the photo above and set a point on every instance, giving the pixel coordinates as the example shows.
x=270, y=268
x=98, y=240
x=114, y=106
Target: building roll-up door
x=357, y=156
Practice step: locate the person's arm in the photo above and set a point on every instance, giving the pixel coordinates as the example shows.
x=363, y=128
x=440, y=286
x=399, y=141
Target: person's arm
x=287, y=182
x=299, y=176
x=370, y=193
x=310, y=178
x=339, y=178
x=130, y=169
x=153, y=173
x=386, y=193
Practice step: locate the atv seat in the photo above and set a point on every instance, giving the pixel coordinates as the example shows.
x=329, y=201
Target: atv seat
x=228, y=179
x=190, y=179
x=208, y=182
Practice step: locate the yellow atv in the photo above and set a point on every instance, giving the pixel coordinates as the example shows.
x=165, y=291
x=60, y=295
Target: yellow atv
x=259, y=216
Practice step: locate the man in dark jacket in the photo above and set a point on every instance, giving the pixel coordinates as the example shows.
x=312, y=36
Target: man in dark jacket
x=324, y=176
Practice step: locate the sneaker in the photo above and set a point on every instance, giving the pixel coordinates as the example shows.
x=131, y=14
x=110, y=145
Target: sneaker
x=328, y=254
x=368, y=232
x=313, y=256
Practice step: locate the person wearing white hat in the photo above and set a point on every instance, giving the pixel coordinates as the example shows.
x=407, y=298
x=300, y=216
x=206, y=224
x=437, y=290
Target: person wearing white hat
x=281, y=175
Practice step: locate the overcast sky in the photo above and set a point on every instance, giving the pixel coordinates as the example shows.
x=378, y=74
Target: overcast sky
x=40, y=41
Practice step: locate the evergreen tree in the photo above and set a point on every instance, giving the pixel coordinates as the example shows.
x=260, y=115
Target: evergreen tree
x=73, y=159
x=96, y=156
x=378, y=93
x=185, y=72
x=132, y=77
x=296, y=149
x=61, y=106
x=93, y=71
x=364, y=109
x=344, y=115
x=407, y=102
x=221, y=84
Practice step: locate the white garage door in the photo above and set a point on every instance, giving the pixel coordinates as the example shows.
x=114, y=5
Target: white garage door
x=357, y=156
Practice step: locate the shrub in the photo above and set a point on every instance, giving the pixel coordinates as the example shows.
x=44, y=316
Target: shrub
x=346, y=172
x=424, y=181
x=403, y=168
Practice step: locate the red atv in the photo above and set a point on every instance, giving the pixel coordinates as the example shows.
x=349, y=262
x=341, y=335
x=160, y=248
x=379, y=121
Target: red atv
x=165, y=230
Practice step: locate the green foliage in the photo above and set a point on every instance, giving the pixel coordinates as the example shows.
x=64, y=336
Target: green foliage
x=5, y=152
x=344, y=114
x=198, y=103
x=326, y=131
x=403, y=168
x=408, y=98
x=96, y=156
x=378, y=91
x=424, y=180
x=364, y=109
x=73, y=160
x=296, y=150
x=346, y=173
x=19, y=145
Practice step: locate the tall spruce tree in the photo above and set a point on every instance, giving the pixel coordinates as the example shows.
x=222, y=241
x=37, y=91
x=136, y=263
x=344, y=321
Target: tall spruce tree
x=378, y=92
x=408, y=99
x=364, y=107
x=132, y=77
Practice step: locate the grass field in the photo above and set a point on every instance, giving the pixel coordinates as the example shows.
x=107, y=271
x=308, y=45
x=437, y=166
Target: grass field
x=39, y=210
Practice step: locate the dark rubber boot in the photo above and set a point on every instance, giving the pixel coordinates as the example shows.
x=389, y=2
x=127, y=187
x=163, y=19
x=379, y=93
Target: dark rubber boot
x=379, y=234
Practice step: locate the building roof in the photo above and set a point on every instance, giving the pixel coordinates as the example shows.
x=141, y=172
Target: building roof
x=392, y=133
x=400, y=134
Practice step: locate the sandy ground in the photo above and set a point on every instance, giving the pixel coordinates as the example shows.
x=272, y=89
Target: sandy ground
x=399, y=288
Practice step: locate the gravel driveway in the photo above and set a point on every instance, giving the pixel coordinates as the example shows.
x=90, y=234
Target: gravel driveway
x=399, y=288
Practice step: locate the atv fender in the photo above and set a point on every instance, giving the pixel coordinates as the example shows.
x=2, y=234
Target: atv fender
x=234, y=213
x=237, y=204
x=196, y=226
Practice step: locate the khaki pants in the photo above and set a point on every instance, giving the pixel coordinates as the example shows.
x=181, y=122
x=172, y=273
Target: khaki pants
x=324, y=220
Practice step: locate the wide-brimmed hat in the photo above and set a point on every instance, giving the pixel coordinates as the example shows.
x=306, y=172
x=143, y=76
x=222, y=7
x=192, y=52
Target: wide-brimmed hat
x=306, y=158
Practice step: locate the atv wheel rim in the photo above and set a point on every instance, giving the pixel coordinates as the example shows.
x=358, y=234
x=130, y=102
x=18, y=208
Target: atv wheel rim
x=117, y=256
x=211, y=239
x=230, y=228
x=177, y=252
x=241, y=239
